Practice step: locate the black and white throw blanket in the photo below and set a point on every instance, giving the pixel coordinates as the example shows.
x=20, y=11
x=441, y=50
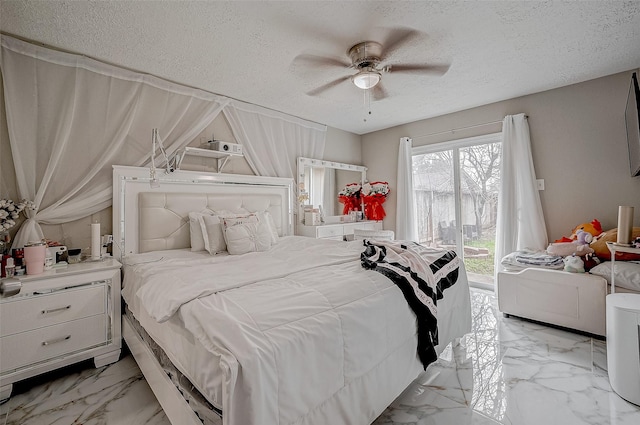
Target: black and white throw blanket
x=422, y=274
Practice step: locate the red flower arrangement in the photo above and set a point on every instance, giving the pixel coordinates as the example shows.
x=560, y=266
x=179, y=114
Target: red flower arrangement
x=350, y=197
x=373, y=195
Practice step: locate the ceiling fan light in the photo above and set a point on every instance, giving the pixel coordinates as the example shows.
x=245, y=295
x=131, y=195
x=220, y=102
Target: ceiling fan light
x=366, y=79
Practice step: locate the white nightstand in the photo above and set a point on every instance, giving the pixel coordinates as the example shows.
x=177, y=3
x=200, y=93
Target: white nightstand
x=60, y=317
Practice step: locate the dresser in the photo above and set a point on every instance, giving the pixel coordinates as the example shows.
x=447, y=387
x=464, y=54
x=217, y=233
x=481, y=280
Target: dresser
x=337, y=231
x=57, y=318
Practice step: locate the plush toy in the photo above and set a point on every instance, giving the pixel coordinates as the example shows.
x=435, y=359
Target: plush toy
x=583, y=238
x=590, y=261
x=603, y=253
x=580, y=246
x=573, y=264
x=594, y=228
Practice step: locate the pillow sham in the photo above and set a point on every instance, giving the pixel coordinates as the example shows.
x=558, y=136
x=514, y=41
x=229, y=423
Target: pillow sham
x=195, y=230
x=212, y=234
x=246, y=234
x=627, y=273
x=267, y=218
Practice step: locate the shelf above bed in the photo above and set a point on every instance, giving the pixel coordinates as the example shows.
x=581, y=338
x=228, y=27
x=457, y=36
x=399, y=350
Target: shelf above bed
x=221, y=157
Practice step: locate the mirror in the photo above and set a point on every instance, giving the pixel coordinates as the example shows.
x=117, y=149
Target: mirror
x=320, y=181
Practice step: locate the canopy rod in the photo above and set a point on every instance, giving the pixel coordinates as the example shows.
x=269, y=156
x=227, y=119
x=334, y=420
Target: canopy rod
x=461, y=128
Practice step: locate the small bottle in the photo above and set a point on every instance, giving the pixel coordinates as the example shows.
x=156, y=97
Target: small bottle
x=48, y=260
x=9, y=268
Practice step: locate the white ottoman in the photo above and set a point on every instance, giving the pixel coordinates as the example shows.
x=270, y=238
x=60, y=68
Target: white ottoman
x=623, y=345
x=571, y=300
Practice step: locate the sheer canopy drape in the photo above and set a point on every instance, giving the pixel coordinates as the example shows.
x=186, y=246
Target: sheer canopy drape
x=273, y=141
x=70, y=118
x=520, y=218
x=405, y=210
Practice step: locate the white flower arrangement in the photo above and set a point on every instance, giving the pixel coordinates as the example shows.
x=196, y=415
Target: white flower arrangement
x=10, y=211
x=352, y=189
x=375, y=188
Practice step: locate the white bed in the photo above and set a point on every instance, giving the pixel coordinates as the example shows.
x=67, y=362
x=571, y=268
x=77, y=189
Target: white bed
x=324, y=341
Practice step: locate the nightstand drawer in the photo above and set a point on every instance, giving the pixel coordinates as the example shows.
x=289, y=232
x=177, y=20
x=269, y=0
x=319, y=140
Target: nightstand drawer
x=50, y=309
x=329, y=231
x=28, y=348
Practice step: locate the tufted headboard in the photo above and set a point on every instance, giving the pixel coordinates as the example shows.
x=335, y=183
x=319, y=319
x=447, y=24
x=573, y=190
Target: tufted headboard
x=153, y=219
x=163, y=217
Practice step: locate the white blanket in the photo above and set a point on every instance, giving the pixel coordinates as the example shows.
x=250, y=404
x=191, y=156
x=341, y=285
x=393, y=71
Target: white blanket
x=301, y=334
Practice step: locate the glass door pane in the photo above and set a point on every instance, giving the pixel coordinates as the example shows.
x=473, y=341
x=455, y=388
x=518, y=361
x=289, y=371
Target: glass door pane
x=479, y=185
x=434, y=195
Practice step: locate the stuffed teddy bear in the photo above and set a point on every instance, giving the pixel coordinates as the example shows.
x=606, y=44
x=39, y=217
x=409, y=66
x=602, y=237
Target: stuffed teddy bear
x=573, y=264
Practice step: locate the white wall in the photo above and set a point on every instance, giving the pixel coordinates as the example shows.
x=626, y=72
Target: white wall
x=579, y=146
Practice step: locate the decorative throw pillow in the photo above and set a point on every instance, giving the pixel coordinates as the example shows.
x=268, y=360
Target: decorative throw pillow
x=627, y=273
x=213, y=236
x=195, y=229
x=246, y=234
x=603, y=253
x=267, y=218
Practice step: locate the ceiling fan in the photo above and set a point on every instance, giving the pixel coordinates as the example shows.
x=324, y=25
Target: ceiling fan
x=371, y=60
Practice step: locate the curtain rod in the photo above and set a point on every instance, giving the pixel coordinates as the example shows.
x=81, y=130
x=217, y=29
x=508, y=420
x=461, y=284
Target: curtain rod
x=461, y=128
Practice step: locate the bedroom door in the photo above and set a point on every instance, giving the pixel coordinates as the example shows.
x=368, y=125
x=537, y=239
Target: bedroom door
x=456, y=194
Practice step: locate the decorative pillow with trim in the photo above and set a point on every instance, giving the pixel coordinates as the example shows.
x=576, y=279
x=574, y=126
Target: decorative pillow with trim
x=246, y=234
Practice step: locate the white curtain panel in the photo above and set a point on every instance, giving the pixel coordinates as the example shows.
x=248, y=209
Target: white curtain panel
x=273, y=141
x=70, y=118
x=406, y=226
x=520, y=219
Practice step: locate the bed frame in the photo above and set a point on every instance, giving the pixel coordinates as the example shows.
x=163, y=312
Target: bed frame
x=179, y=191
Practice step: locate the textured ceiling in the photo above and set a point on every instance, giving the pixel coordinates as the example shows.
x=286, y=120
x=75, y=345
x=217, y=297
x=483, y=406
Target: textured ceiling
x=245, y=50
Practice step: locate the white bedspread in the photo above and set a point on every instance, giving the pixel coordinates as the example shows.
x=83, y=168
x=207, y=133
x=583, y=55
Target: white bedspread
x=305, y=335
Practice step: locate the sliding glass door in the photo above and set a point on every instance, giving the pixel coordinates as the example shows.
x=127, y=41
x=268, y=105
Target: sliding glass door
x=456, y=194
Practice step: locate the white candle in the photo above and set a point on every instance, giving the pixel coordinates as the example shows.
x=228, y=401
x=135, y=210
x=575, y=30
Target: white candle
x=95, y=241
x=625, y=224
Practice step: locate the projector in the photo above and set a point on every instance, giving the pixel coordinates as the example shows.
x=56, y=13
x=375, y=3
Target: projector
x=220, y=146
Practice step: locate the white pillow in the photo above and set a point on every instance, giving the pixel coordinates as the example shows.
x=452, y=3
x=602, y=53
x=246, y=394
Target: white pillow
x=246, y=234
x=267, y=218
x=627, y=273
x=195, y=229
x=212, y=231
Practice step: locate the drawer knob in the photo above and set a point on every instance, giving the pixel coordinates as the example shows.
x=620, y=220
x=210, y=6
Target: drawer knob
x=53, y=310
x=56, y=340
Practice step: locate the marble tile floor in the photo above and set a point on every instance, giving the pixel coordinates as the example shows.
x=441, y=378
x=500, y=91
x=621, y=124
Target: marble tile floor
x=507, y=371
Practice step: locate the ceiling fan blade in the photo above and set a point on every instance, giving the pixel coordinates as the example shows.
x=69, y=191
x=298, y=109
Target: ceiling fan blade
x=316, y=60
x=396, y=39
x=327, y=86
x=378, y=92
x=418, y=69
